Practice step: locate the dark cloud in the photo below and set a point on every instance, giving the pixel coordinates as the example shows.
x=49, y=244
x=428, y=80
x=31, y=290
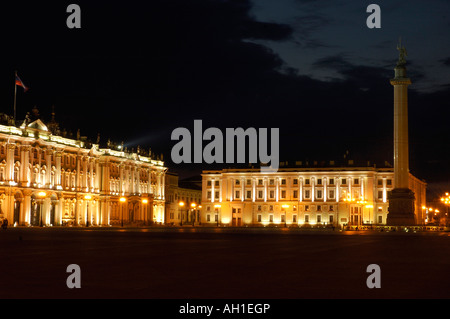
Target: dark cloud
x=335, y=62
x=136, y=71
x=445, y=62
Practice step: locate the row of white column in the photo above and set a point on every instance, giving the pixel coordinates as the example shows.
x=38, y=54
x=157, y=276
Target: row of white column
x=232, y=186
x=129, y=180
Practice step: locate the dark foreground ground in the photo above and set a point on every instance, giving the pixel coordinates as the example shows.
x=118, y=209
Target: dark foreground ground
x=213, y=263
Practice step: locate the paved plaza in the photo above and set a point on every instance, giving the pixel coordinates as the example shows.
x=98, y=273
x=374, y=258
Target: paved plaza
x=192, y=263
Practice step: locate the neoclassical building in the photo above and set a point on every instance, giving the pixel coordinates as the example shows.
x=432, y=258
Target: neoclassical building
x=302, y=196
x=183, y=202
x=47, y=179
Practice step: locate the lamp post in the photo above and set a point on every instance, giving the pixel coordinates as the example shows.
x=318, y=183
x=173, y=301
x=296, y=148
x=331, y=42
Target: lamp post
x=144, y=206
x=284, y=207
x=41, y=196
x=423, y=209
x=217, y=207
x=181, y=204
x=369, y=207
x=446, y=201
x=193, y=205
x=362, y=203
x=88, y=199
x=122, y=200
x=349, y=201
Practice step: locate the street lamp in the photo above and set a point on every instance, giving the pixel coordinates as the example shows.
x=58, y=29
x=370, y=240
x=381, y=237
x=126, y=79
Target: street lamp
x=369, y=207
x=349, y=200
x=145, y=217
x=87, y=198
x=41, y=195
x=423, y=209
x=181, y=204
x=284, y=207
x=122, y=200
x=446, y=201
x=217, y=213
x=193, y=205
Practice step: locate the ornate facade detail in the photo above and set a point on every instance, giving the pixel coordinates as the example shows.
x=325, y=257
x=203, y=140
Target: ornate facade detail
x=51, y=180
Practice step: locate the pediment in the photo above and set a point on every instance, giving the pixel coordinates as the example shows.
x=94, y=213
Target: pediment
x=38, y=125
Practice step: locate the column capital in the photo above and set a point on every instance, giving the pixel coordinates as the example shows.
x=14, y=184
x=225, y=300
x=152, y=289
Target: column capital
x=400, y=81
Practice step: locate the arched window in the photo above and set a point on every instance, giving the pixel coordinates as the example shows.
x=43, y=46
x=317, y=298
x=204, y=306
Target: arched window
x=43, y=177
x=16, y=173
x=34, y=178
x=52, y=178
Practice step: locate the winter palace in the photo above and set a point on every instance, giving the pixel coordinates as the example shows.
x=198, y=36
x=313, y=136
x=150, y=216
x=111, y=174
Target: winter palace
x=50, y=180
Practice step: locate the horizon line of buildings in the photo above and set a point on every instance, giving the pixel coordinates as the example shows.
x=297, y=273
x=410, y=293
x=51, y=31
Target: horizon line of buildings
x=47, y=179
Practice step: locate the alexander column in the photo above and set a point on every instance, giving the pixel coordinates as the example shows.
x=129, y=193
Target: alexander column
x=401, y=198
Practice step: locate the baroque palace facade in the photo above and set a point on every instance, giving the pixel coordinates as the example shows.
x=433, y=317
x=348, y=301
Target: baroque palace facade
x=334, y=196
x=47, y=179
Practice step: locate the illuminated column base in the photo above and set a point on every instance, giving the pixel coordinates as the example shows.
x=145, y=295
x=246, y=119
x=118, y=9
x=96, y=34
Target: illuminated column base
x=401, y=207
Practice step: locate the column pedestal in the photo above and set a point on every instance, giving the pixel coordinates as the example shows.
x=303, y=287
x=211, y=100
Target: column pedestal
x=401, y=207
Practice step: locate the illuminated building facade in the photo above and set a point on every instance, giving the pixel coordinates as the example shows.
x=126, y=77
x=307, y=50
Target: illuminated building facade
x=47, y=179
x=183, y=202
x=302, y=196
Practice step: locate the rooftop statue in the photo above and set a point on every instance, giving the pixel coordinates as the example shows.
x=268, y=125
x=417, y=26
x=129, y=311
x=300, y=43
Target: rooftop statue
x=402, y=54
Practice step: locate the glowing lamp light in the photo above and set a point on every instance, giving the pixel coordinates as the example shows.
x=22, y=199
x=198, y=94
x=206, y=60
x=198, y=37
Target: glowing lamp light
x=122, y=199
x=193, y=205
x=285, y=206
x=181, y=204
x=88, y=197
x=144, y=201
x=42, y=194
x=217, y=206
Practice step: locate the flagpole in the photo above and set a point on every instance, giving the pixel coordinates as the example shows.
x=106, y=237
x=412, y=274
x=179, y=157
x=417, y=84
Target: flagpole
x=15, y=94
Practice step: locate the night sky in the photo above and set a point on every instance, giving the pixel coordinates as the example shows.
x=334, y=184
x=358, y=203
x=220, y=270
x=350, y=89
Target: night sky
x=136, y=70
